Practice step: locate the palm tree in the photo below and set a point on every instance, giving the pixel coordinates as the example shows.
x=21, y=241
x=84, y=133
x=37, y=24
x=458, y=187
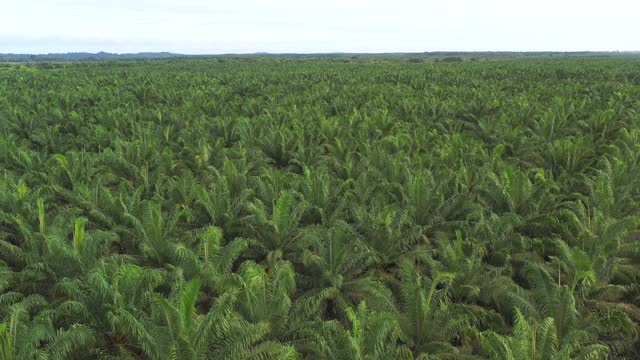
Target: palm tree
x=531, y=340
x=476, y=288
x=390, y=233
x=276, y=232
x=119, y=296
x=436, y=205
x=155, y=233
x=266, y=295
x=369, y=335
x=428, y=320
x=530, y=204
x=327, y=197
x=24, y=337
x=219, y=333
x=213, y=260
x=548, y=299
x=335, y=275
x=223, y=201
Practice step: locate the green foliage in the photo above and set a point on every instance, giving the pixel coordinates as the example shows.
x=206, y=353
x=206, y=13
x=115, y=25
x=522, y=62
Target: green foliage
x=321, y=209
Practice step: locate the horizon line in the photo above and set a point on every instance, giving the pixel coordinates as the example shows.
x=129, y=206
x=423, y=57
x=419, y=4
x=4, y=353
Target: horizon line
x=322, y=52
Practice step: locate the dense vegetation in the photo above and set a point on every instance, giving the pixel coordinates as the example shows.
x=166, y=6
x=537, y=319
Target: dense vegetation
x=372, y=209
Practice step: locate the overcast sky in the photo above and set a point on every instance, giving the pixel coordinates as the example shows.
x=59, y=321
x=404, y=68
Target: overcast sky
x=246, y=26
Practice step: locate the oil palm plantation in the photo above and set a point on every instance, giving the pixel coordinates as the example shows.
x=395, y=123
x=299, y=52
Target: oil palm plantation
x=334, y=208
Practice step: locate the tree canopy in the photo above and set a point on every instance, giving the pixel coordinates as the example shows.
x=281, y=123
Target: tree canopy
x=320, y=209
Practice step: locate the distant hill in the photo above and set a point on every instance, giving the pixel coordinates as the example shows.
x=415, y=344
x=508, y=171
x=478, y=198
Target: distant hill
x=84, y=56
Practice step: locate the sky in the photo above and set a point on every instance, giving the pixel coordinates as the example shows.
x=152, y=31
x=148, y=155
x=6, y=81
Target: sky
x=299, y=26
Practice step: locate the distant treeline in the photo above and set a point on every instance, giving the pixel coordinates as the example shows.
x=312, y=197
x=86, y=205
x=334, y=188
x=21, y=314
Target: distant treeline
x=84, y=56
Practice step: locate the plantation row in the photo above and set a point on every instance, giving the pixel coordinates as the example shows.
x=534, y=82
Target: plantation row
x=312, y=209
